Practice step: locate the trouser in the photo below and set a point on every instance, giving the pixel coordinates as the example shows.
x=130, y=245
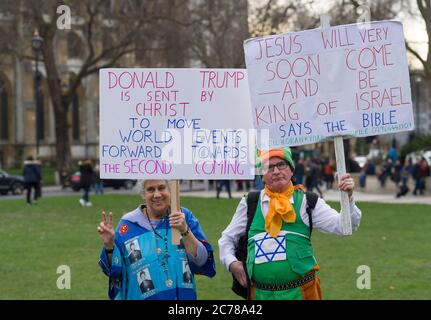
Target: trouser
x=86, y=192
x=29, y=186
x=220, y=186
x=315, y=184
x=98, y=188
x=419, y=186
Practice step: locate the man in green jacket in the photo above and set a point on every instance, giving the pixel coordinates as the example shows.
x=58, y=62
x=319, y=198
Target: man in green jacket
x=280, y=259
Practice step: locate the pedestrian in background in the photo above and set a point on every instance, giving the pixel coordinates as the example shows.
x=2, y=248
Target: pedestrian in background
x=396, y=177
x=87, y=176
x=98, y=184
x=32, y=178
x=223, y=183
x=39, y=181
x=299, y=172
x=385, y=171
x=328, y=172
x=363, y=175
x=404, y=175
x=312, y=181
x=420, y=172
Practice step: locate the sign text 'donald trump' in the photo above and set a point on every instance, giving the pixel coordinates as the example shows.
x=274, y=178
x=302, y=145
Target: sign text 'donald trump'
x=175, y=124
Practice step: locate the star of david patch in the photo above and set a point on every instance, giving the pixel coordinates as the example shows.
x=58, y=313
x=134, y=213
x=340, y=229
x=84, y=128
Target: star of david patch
x=269, y=249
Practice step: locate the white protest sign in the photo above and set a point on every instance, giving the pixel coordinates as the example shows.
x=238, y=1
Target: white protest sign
x=349, y=80
x=175, y=124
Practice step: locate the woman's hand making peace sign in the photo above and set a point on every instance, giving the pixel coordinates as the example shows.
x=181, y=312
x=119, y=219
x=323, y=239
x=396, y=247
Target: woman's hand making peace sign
x=106, y=231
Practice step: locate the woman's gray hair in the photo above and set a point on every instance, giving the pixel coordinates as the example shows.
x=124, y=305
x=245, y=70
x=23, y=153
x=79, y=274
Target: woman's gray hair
x=140, y=185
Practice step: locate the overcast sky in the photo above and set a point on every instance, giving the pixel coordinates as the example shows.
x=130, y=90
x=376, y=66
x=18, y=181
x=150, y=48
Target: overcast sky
x=414, y=28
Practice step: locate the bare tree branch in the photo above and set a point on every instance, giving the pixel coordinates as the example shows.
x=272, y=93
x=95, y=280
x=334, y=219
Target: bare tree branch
x=416, y=54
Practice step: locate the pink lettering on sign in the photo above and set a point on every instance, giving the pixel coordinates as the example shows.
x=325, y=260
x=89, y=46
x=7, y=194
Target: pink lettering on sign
x=374, y=34
x=325, y=108
x=387, y=97
x=138, y=166
x=366, y=79
x=111, y=168
x=369, y=57
x=221, y=79
x=298, y=67
x=214, y=167
x=162, y=95
x=300, y=88
x=277, y=46
x=157, y=109
x=275, y=114
x=141, y=79
x=335, y=38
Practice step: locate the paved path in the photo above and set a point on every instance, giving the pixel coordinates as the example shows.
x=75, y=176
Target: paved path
x=333, y=196
x=52, y=191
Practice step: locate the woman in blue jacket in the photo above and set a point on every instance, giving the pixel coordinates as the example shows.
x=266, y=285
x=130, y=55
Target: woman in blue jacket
x=139, y=257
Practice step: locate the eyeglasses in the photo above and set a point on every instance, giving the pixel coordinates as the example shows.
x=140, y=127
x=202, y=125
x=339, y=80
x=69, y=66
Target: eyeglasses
x=280, y=166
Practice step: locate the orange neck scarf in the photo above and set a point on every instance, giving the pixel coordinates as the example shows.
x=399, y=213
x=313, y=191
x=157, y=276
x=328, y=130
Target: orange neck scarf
x=280, y=209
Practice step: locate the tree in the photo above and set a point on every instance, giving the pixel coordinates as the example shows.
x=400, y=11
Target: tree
x=124, y=23
x=219, y=29
x=424, y=7
x=425, y=11
x=276, y=16
x=382, y=10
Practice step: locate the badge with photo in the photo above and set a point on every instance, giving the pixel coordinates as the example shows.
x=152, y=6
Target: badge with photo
x=134, y=251
x=187, y=274
x=145, y=281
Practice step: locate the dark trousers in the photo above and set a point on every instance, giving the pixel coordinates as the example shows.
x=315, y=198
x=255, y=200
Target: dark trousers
x=419, y=186
x=85, y=196
x=29, y=186
x=315, y=185
x=220, y=185
x=362, y=180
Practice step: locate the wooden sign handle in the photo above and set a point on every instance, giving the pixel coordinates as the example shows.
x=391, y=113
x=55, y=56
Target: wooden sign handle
x=174, y=187
x=346, y=222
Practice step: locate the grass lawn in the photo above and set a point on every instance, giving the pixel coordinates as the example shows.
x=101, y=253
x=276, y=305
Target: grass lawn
x=393, y=241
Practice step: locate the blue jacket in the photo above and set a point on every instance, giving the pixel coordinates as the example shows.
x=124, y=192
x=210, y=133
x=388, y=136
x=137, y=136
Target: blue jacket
x=157, y=271
x=31, y=172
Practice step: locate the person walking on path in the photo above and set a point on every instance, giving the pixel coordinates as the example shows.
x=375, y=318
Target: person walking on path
x=420, y=172
x=32, y=178
x=223, y=183
x=396, y=177
x=98, y=184
x=87, y=179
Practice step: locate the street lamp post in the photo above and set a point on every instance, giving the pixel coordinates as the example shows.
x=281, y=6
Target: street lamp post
x=418, y=81
x=36, y=44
